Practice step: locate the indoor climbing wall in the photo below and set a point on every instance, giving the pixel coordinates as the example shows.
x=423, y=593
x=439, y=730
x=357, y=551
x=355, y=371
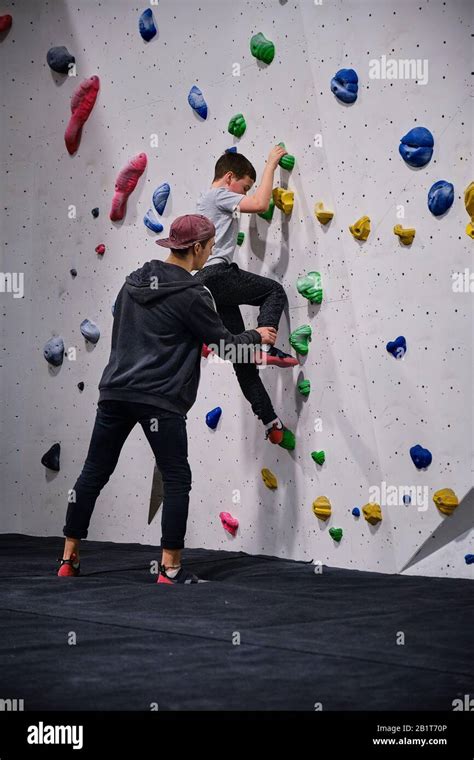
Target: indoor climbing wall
x=367, y=234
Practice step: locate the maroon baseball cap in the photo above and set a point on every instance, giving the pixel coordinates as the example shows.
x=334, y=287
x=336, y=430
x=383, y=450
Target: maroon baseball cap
x=188, y=229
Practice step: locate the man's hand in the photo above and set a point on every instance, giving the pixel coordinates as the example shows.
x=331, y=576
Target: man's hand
x=275, y=155
x=269, y=335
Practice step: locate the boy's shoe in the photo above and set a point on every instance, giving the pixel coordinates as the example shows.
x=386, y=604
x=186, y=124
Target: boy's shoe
x=276, y=358
x=182, y=576
x=69, y=567
x=281, y=436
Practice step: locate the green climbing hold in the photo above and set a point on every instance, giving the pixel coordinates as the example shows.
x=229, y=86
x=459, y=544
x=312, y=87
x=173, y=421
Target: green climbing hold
x=318, y=456
x=300, y=338
x=336, y=534
x=261, y=48
x=240, y=238
x=237, y=125
x=288, y=441
x=286, y=162
x=304, y=387
x=268, y=214
x=310, y=287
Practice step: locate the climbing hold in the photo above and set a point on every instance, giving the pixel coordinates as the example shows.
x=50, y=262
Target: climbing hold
x=406, y=235
x=322, y=215
x=213, y=417
x=406, y=498
x=318, y=456
x=288, y=161
x=269, y=478
x=82, y=103
x=361, y=228
x=100, y=249
x=73, y=272
x=304, y=387
x=336, y=534
x=231, y=150
x=80, y=386
x=146, y=25
x=283, y=199
x=344, y=85
x=469, y=559
x=416, y=147
x=205, y=351
x=322, y=507
x=288, y=441
x=300, y=338
x=160, y=197
x=90, y=331
x=95, y=212
x=237, y=125
x=197, y=102
x=397, y=347
x=440, y=197
x=113, y=308
x=53, y=351
x=229, y=523
x=268, y=214
x=125, y=184
x=309, y=287
x=51, y=458
x=469, y=204
x=153, y=224
x=446, y=500
x=421, y=457
x=372, y=513
x=5, y=22
x=470, y=229
x=356, y=512
x=240, y=238
x=59, y=59
x=261, y=48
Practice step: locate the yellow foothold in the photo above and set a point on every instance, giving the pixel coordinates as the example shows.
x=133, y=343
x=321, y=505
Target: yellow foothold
x=269, y=478
x=470, y=230
x=406, y=234
x=321, y=215
x=361, y=228
x=446, y=500
x=283, y=199
x=469, y=200
x=322, y=507
x=372, y=513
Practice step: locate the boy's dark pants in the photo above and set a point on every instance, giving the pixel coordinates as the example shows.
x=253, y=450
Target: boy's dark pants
x=231, y=287
x=166, y=434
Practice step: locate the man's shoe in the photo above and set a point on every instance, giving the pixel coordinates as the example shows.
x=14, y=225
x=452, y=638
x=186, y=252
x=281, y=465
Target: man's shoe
x=276, y=358
x=69, y=567
x=182, y=576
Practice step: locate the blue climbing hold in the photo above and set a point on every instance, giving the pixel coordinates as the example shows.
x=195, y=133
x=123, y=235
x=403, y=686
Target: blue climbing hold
x=90, y=331
x=406, y=498
x=153, y=224
x=197, y=102
x=469, y=559
x=59, y=59
x=213, y=417
x=53, y=351
x=356, y=512
x=231, y=150
x=421, y=457
x=416, y=147
x=397, y=347
x=160, y=197
x=146, y=25
x=344, y=85
x=440, y=197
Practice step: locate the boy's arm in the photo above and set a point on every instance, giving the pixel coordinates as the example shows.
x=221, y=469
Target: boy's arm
x=260, y=200
x=207, y=326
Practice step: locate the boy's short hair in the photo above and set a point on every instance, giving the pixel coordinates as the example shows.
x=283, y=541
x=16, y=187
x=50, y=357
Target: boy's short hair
x=181, y=253
x=235, y=163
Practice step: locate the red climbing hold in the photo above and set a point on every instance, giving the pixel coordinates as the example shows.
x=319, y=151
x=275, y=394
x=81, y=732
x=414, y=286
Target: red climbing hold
x=229, y=523
x=100, y=248
x=5, y=22
x=82, y=103
x=205, y=351
x=125, y=184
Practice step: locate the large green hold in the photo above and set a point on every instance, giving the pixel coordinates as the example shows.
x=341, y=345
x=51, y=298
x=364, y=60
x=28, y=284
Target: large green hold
x=240, y=238
x=300, y=338
x=336, y=534
x=318, y=456
x=304, y=387
x=286, y=162
x=237, y=125
x=310, y=287
x=288, y=441
x=268, y=214
x=261, y=48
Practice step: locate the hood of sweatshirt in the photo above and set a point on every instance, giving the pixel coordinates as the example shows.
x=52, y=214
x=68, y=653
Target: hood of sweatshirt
x=157, y=280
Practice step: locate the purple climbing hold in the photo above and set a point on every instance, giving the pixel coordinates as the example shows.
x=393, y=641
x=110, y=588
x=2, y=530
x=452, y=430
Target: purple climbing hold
x=421, y=457
x=153, y=224
x=51, y=458
x=160, y=197
x=59, y=59
x=197, y=102
x=54, y=351
x=356, y=512
x=90, y=331
x=146, y=25
x=397, y=347
x=213, y=417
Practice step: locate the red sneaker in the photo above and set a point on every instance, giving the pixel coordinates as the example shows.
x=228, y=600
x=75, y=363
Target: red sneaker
x=69, y=567
x=276, y=358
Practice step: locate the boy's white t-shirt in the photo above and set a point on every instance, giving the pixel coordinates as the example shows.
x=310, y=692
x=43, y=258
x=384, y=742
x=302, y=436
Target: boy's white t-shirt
x=221, y=207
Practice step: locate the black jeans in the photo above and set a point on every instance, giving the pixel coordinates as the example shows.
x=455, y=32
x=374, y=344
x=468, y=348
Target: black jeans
x=166, y=434
x=231, y=287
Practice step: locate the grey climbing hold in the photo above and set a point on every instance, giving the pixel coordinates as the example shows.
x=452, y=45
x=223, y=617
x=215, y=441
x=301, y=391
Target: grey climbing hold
x=80, y=386
x=59, y=59
x=90, y=331
x=53, y=351
x=73, y=272
x=95, y=212
x=51, y=458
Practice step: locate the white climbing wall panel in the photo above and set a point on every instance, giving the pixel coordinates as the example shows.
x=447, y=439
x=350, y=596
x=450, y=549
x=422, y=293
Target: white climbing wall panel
x=372, y=408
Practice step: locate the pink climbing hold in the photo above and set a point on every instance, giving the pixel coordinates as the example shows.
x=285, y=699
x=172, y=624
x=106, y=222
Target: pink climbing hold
x=100, y=249
x=125, y=184
x=229, y=523
x=5, y=22
x=82, y=103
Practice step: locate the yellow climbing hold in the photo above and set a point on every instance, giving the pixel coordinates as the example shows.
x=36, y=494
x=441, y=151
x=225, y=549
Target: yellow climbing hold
x=283, y=199
x=322, y=215
x=469, y=204
x=446, y=500
x=322, y=507
x=372, y=513
x=470, y=230
x=406, y=234
x=269, y=478
x=361, y=228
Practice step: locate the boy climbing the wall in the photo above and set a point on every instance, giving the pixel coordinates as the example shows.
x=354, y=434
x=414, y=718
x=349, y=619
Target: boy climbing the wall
x=231, y=286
